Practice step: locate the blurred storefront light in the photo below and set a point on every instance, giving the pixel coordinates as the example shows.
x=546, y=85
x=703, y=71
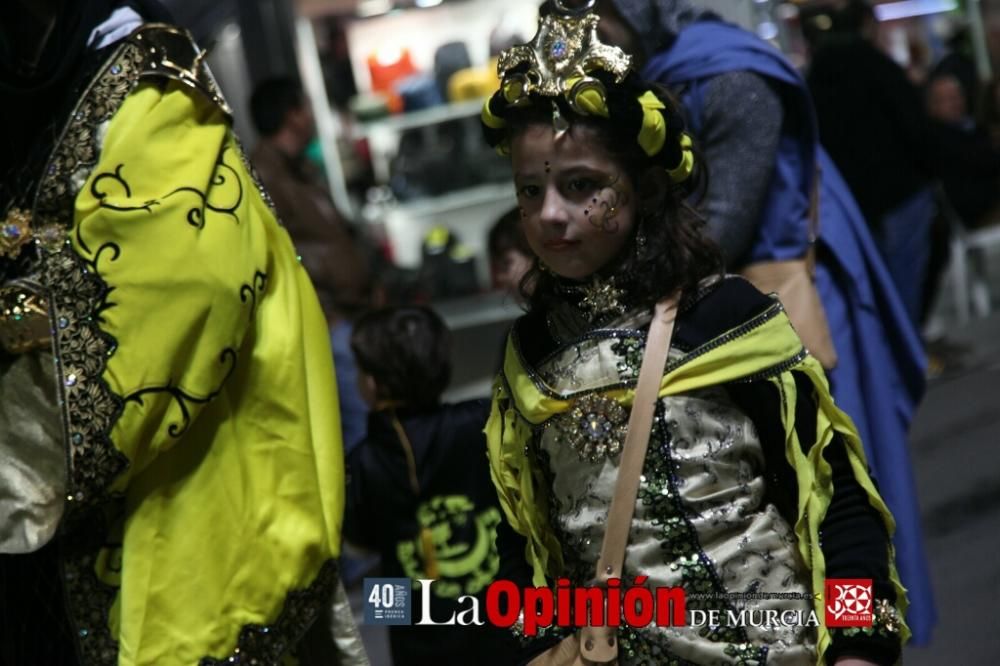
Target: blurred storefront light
x=369, y=8
x=767, y=30
x=891, y=11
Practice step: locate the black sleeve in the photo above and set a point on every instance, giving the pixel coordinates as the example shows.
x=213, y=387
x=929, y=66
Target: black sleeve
x=852, y=535
x=514, y=567
x=856, y=545
x=359, y=528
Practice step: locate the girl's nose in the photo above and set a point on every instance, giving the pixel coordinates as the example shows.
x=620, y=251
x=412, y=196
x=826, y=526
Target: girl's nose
x=554, y=209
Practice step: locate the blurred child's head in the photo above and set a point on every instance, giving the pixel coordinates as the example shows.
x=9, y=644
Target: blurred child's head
x=404, y=356
x=510, y=256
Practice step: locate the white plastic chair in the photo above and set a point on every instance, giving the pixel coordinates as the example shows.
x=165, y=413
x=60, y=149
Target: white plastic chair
x=969, y=280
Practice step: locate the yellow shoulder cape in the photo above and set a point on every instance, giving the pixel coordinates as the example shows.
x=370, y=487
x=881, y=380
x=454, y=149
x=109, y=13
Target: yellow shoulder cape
x=233, y=490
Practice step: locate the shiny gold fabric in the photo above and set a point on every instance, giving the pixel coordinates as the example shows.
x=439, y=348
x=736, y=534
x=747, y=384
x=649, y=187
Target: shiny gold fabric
x=32, y=457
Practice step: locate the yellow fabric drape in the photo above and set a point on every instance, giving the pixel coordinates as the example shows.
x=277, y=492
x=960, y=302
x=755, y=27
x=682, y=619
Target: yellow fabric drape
x=234, y=494
x=766, y=346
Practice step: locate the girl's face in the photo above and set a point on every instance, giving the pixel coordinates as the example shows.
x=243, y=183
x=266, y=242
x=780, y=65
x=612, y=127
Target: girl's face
x=577, y=203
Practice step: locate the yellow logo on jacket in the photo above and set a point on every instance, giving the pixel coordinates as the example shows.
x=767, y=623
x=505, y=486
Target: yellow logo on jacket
x=464, y=545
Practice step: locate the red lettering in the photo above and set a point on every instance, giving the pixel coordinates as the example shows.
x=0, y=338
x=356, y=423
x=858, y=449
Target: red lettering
x=638, y=605
x=614, y=603
x=537, y=609
x=592, y=597
x=563, y=605
x=503, y=618
x=671, y=607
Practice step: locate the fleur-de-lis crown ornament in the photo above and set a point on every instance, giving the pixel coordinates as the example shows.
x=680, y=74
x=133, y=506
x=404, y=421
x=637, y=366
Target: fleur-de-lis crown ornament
x=560, y=58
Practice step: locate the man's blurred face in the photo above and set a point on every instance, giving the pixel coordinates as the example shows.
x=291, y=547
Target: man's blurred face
x=946, y=101
x=302, y=121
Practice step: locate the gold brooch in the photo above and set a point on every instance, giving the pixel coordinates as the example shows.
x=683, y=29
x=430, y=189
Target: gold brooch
x=15, y=232
x=595, y=427
x=601, y=298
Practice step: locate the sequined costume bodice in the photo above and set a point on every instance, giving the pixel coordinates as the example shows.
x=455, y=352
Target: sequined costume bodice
x=701, y=519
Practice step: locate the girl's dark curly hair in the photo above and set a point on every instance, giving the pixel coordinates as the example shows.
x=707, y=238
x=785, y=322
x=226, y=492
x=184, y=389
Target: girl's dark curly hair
x=676, y=253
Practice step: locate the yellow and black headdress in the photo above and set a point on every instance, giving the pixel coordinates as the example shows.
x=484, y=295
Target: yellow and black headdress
x=567, y=66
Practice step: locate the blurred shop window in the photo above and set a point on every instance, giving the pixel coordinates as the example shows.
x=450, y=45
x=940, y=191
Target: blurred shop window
x=336, y=59
x=341, y=89
x=444, y=157
x=448, y=268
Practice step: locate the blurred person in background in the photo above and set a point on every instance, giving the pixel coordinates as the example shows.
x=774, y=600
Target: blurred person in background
x=331, y=249
x=969, y=175
x=990, y=112
x=165, y=374
x=510, y=256
x=970, y=164
x=420, y=492
x=752, y=115
x=873, y=122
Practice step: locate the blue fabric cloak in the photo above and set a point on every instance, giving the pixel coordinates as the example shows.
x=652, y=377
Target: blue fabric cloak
x=879, y=378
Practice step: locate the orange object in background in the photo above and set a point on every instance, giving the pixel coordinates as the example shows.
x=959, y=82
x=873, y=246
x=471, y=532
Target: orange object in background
x=386, y=67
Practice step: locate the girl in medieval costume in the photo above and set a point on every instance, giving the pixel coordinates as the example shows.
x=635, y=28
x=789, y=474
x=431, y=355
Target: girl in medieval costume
x=748, y=462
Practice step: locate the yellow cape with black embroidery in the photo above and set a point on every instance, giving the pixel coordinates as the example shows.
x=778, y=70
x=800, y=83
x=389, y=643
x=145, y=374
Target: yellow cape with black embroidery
x=765, y=347
x=234, y=490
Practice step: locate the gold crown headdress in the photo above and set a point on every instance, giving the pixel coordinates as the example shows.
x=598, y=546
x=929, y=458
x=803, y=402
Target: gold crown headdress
x=561, y=56
x=561, y=61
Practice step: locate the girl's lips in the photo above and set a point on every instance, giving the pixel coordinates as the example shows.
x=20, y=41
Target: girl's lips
x=561, y=244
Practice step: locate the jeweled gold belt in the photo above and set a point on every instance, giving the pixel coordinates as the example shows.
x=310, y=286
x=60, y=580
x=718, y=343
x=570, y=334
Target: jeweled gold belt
x=24, y=320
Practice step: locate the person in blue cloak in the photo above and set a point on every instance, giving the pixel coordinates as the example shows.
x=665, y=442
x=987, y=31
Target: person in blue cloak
x=751, y=112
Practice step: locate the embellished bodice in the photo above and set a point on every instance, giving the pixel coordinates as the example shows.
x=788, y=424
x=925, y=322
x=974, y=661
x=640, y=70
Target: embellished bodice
x=701, y=519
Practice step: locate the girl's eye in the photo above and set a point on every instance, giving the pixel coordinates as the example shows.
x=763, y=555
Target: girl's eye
x=581, y=185
x=527, y=191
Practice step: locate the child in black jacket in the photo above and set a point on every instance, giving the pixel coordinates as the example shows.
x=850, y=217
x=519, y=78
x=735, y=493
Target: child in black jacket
x=419, y=491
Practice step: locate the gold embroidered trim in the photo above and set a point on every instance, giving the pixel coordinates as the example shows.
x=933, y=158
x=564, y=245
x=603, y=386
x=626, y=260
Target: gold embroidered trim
x=78, y=147
x=88, y=598
x=90, y=408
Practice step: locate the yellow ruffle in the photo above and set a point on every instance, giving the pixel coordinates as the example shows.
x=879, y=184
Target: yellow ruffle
x=520, y=403
x=653, y=133
x=234, y=494
x=490, y=120
x=682, y=171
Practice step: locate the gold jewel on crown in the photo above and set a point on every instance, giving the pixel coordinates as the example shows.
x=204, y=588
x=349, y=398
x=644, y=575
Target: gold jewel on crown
x=560, y=56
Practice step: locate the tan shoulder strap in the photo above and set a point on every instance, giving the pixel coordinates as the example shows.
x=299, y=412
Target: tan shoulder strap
x=599, y=644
